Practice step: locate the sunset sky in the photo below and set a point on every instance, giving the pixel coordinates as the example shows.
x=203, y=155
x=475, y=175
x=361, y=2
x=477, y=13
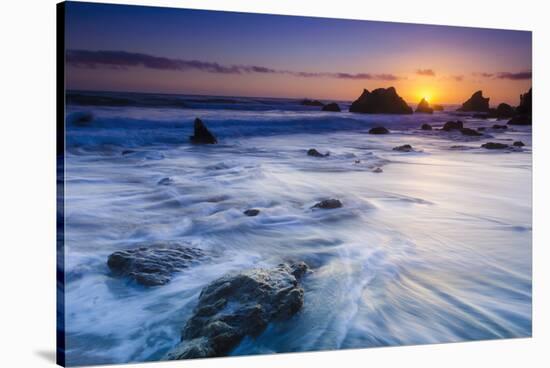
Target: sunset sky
x=148, y=49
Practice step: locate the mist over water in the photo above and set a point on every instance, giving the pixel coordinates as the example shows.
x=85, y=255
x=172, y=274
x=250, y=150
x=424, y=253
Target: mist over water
x=436, y=248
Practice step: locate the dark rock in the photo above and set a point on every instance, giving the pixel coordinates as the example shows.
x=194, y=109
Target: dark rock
x=378, y=170
x=165, y=181
x=380, y=101
x=127, y=152
x=426, y=127
x=526, y=103
x=313, y=152
x=403, y=148
x=504, y=111
x=476, y=103
x=453, y=125
x=331, y=107
x=424, y=107
x=493, y=145
x=252, y=212
x=437, y=107
x=328, y=204
x=480, y=116
x=306, y=102
x=470, y=132
x=520, y=120
x=518, y=144
x=379, y=130
x=240, y=305
x=202, y=135
x=82, y=118
x=496, y=126
x=481, y=129
x=153, y=265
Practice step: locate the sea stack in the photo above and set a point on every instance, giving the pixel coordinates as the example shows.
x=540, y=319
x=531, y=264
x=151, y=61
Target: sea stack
x=201, y=134
x=476, y=103
x=331, y=107
x=424, y=107
x=380, y=101
x=524, y=110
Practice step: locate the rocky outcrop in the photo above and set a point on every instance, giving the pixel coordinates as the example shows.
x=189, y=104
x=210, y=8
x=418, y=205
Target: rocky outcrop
x=379, y=130
x=380, y=101
x=201, y=134
x=314, y=153
x=426, y=127
x=526, y=103
x=453, y=125
x=328, y=204
x=306, y=102
x=240, y=305
x=520, y=120
x=494, y=145
x=403, y=148
x=504, y=110
x=153, y=265
x=252, y=212
x=470, y=132
x=424, y=107
x=331, y=107
x=476, y=103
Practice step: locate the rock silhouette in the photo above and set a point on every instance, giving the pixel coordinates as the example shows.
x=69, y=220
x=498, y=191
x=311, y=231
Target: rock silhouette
x=476, y=103
x=331, y=107
x=453, y=125
x=493, y=145
x=380, y=101
x=426, y=127
x=424, y=107
x=306, y=102
x=379, y=130
x=201, y=134
x=313, y=152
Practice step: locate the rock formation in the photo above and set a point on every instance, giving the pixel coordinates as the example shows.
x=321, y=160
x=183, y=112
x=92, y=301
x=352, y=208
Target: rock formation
x=201, y=134
x=476, y=103
x=379, y=130
x=331, y=107
x=380, y=101
x=424, y=107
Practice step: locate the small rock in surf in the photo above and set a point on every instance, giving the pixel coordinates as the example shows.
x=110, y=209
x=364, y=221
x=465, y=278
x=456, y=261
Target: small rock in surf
x=252, y=212
x=379, y=130
x=313, y=152
x=494, y=145
x=403, y=148
x=426, y=127
x=331, y=107
x=328, y=204
x=201, y=134
x=518, y=144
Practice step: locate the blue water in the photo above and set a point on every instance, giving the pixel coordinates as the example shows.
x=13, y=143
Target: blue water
x=436, y=248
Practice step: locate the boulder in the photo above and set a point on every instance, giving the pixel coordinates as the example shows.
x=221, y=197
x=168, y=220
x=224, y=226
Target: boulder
x=504, y=110
x=252, y=212
x=331, y=107
x=377, y=170
x=453, y=125
x=470, y=132
x=426, y=127
x=201, y=134
x=494, y=145
x=153, y=265
x=328, y=204
x=240, y=305
x=379, y=130
x=518, y=144
x=520, y=120
x=476, y=103
x=403, y=148
x=313, y=152
x=424, y=107
x=380, y=101
x=497, y=126
x=306, y=102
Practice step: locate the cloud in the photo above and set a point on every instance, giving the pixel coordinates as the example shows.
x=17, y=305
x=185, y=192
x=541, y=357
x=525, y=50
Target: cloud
x=507, y=75
x=425, y=72
x=458, y=78
x=123, y=59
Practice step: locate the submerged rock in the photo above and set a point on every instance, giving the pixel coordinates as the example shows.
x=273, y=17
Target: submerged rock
x=127, y=152
x=453, y=125
x=424, y=107
x=470, y=132
x=378, y=170
x=331, y=107
x=240, y=305
x=306, y=102
x=426, y=127
x=476, y=103
x=252, y=212
x=81, y=118
x=153, y=265
x=403, y=148
x=201, y=134
x=328, y=204
x=313, y=152
x=494, y=145
x=380, y=101
x=518, y=144
x=165, y=181
x=379, y=130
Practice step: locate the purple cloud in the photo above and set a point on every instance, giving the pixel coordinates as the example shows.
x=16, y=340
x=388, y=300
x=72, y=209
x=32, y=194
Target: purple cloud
x=425, y=72
x=515, y=76
x=122, y=59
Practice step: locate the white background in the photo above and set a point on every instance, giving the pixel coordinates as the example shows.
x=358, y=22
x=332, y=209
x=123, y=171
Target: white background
x=27, y=154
